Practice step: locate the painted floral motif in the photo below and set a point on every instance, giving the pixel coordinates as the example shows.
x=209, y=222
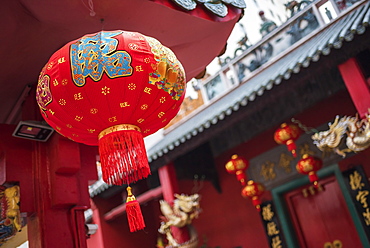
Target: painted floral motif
x=43, y=93
x=168, y=72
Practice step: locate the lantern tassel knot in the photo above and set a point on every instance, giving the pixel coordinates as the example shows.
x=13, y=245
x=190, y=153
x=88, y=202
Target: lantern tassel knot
x=134, y=215
x=292, y=147
x=314, y=179
x=257, y=203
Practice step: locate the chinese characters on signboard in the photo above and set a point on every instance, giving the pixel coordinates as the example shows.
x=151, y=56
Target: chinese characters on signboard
x=278, y=165
x=271, y=225
x=358, y=186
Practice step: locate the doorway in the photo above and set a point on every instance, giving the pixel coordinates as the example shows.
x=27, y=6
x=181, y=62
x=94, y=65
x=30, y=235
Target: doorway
x=319, y=219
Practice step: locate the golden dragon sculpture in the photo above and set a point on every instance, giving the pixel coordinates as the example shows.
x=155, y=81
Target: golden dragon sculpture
x=185, y=208
x=10, y=221
x=355, y=131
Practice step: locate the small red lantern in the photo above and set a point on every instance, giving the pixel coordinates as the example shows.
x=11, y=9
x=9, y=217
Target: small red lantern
x=111, y=89
x=237, y=165
x=287, y=134
x=254, y=190
x=309, y=165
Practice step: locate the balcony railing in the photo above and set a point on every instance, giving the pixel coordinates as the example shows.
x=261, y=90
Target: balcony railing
x=248, y=61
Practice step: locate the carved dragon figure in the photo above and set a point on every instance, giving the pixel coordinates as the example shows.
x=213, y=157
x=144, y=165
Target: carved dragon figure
x=357, y=133
x=10, y=221
x=185, y=209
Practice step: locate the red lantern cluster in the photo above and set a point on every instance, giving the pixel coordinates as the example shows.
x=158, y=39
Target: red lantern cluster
x=254, y=190
x=112, y=89
x=287, y=134
x=309, y=165
x=237, y=165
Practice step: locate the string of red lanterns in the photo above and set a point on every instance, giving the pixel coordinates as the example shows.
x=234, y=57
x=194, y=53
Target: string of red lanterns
x=238, y=165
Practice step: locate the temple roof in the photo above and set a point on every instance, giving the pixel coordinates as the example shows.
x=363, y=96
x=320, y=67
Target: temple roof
x=219, y=8
x=345, y=29
x=310, y=50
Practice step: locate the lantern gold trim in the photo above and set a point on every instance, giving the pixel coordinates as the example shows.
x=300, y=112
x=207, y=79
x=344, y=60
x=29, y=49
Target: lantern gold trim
x=116, y=128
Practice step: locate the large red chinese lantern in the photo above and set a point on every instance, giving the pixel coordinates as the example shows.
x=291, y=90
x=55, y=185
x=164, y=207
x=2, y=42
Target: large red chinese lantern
x=112, y=89
x=237, y=165
x=309, y=165
x=287, y=134
x=254, y=190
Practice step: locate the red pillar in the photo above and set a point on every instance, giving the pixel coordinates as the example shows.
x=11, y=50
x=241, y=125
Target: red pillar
x=53, y=179
x=61, y=170
x=168, y=179
x=96, y=240
x=356, y=84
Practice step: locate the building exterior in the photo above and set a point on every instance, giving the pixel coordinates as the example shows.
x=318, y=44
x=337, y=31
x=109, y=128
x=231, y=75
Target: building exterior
x=307, y=69
x=44, y=188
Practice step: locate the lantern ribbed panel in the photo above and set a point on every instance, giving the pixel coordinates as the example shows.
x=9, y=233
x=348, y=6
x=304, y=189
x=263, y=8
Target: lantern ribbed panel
x=111, y=78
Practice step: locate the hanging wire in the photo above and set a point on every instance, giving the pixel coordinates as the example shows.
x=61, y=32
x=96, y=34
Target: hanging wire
x=102, y=23
x=90, y=7
x=198, y=184
x=306, y=129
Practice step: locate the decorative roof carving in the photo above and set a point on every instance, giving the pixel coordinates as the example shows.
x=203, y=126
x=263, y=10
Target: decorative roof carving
x=217, y=7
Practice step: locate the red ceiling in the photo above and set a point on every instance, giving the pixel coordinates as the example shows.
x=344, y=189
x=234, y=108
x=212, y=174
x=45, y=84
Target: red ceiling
x=32, y=30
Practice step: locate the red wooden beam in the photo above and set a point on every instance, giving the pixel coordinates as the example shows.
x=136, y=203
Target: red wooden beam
x=356, y=84
x=143, y=198
x=168, y=179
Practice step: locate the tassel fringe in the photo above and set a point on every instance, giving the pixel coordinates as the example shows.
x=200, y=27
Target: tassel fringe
x=134, y=215
x=123, y=157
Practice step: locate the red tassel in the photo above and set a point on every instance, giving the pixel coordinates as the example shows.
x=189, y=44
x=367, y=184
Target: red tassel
x=257, y=203
x=241, y=177
x=314, y=179
x=122, y=155
x=313, y=176
x=134, y=215
x=292, y=147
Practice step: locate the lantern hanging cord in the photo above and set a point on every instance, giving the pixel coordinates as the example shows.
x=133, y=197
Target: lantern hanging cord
x=90, y=6
x=198, y=184
x=102, y=23
x=306, y=129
